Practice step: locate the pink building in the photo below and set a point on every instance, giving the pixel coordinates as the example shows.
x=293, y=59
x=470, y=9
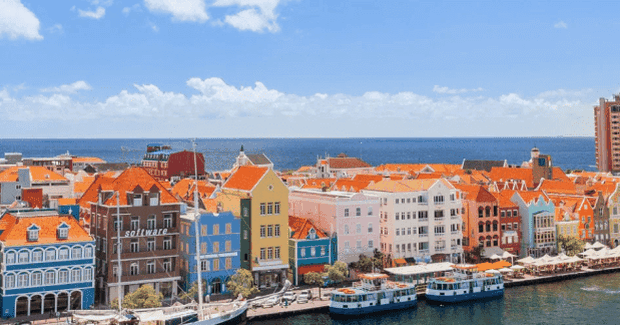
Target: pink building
x=352, y=217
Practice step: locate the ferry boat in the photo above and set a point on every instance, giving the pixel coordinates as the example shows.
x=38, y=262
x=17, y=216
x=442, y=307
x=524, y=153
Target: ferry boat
x=464, y=283
x=373, y=294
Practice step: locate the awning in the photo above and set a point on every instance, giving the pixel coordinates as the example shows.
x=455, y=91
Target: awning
x=311, y=268
x=400, y=261
x=410, y=260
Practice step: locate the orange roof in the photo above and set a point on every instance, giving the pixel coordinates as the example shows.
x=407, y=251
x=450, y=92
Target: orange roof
x=557, y=186
x=349, y=185
x=430, y=175
x=476, y=193
x=37, y=173
x=185, y=189
x=508, y=173
x=301, y=226
x=373, y=276
x=245, y=178
x=15, y=231
x=318, y=182
x=410, y=185
x=528, y=196
x=67, y=201
x=347, y=162
x=304, y=169
x=504, y=198
x=87, y=160
x=81, y=187
x=125, y=182
x=368, y=177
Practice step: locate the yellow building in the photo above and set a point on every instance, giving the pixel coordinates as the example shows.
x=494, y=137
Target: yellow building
x=260, y=199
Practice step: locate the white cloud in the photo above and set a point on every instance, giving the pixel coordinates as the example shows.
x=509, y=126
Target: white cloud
x=16, y=21
x=446, y=90
x=181, y=10
x=128, y=10
x=97, y=14
x=56, y=29
x=560, y=24
x=69, y=89
x=154, y=28
x=257, y=15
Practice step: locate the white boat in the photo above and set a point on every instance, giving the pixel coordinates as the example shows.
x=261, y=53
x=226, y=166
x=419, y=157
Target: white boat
x=465, y=283
x=374, y=294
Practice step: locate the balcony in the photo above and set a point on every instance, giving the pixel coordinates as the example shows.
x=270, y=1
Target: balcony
x=440, y=234
x=439, y=218
x=455, y=232
x=424, y=251
x=423, y=219
x=423, y=235
x=440, y=249
x=456, y=216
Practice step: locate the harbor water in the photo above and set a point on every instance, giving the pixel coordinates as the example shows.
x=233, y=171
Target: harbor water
x=587, y=300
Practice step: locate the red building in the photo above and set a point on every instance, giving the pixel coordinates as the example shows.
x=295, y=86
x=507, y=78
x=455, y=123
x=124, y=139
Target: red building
x=480, y=219
x=510, y=221
x=163, y=164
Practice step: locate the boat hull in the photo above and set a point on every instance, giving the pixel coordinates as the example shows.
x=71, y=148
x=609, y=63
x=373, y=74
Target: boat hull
x=372, y=309
x=490, y=294
x=236, y=317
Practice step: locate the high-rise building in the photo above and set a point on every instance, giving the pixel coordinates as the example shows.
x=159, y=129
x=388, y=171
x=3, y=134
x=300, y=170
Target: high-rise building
x=607, y=132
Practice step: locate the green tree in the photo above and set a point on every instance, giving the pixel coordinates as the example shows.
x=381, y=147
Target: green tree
x=315, y=278
x=365, y=264
x=242, y=283
x=192, y=293
x=144, y=297
x=377, y=259
x=570, y=244
x=475, y=255
x=337, y=272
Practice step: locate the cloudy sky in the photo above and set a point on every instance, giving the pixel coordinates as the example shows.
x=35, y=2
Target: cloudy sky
x=301, y=68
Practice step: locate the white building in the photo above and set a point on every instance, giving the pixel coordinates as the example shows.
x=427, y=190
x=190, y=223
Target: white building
x=419, y=218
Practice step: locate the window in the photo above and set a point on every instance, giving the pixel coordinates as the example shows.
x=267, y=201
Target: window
x=150, y=267
x=88, y=252
x=270, y=253
x=358, y=228
x=438, y=214
x=167, y=265
x=370, y=227
x=22, y=280
x=423, y=215
x=370, y=244
x=63, y=254
x=63, y=276
x=88, y=274
x=270, y=208
x=262, y=209
x=409, y=231
x=262, y=253
x=346, y=212
x=76, y=275
x=167, y=243
x=228, y=228
x=10, y=258
x=263, y=231
x=369, y=211
x=204, y=266
x=397, y=215
x=312, y=251
x=503, y=213
x=397, y=232
x=358, y=212
x=216, y=247
x=438, y=199
x=451, y=197
x=23, y=257
x=245, y=234
x=150, y=244
x=277, y=252
x=37, y=279
x=216, y=229
x=50, y=255
x=63, y=232
x=151, y=222
x=76, y=253
x=33, y=233
x=322, y=250
x=276, y=207
x=440, y=230
x=216, y=264
x=137, y=199
x=270, y=231
x=423, y=246
x=276, y=230
x=10, y=281
x=115, y=271
x=359, y=245
x=135, y=223
x=50, y=277
x=228, y=263
x=346, y=229
x=133, y=269
x=134, y=247
x=168, y=221
x=346, y=246
x=37, y=256
x=452, y=212
x=409, y=215
x=118, y=225
x=228, y=245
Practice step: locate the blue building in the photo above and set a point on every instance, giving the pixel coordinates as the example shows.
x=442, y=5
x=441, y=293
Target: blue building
x=310, y=249
x=219, y=249
x=47, y=263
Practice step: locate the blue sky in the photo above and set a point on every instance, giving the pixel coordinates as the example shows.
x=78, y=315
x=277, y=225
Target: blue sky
x=278, y=68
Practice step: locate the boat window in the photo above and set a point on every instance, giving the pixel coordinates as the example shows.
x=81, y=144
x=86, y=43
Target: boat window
x=450, y=287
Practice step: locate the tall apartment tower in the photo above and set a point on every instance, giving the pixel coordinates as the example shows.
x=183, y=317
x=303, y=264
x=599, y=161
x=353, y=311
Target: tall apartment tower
x=607, y=132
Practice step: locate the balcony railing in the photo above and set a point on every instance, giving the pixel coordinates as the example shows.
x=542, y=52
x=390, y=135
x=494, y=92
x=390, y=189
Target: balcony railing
x=423, y=235
x=440, y=249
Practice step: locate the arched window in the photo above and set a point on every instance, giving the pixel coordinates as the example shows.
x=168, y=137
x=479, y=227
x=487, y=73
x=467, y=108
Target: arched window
x=10, y=257
x=50, y=254
x=63, y=276
x=76, y=252
x=50, y=277
x=63, y=253
x=10, y=281
x=487, y=211
x=133, y=269
x=76, y=275
x=480, y=212
x=88, y=274
x=22, y=280
x=23, y=256
x=88, y=252
x=37, y=278
x=37, y=256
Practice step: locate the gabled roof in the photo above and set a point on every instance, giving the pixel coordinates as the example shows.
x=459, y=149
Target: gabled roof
x=184, y=189
x=318, y=182
x=301, y=226
x=529, y=196
x=476, y=193
x=245, y=178
x=259, y=159
x=482, y=164
x=504, y=199
x=346, y=162
x=410, y=185
x=559, y=186
x=15, y=229
x=368, y=177
x=349, y=185
x=128, y=181
x=502, y=174
x=37, y=173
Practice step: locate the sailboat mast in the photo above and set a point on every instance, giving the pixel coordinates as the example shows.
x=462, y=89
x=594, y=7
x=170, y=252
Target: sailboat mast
x=118, y=249
x=197, y=231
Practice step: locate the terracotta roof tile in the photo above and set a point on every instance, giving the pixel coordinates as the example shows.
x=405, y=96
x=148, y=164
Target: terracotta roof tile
x=245, y=178
x=411, y=185
x=37, y=173
x=347, y=162
x=185, y=189
x=87, y=160
x=301, y=227
x=15, y=233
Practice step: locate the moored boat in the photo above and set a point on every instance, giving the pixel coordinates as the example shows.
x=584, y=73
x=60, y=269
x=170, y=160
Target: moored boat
x=465, y=283
x=373, y=294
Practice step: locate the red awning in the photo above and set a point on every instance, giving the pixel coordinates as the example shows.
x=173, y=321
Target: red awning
x=310, y=268
x=400, y=261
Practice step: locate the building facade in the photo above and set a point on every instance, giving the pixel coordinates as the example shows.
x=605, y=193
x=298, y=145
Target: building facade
x=537, y=223
x=219, y=249
x=138, y=210
x=510, y=223
x=310, y=249
x=419, y=219
x=606, y=132
x=480, y=218
x=164, y=164
x=47, y=264
x=350, y=219
x=17, y=178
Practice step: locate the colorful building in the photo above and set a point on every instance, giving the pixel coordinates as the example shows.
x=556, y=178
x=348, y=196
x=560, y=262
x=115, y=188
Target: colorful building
x=510, y=222
x=47, y=263
x=219, y=249
x=537, y=222
x=613, y=204
x=310, y=249
x=606, y=128
x=419, y=218
x=352, y=218
x=480, y=219
x=260, y=198
x=18, y=178
x=164, y=164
